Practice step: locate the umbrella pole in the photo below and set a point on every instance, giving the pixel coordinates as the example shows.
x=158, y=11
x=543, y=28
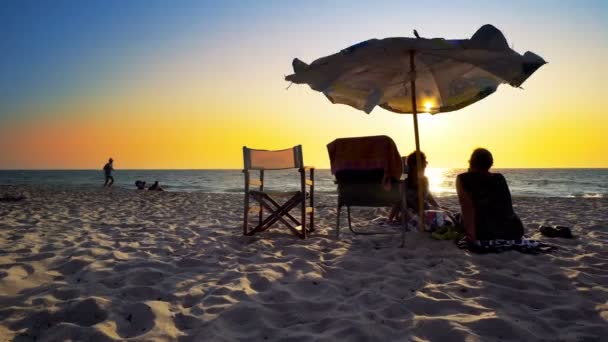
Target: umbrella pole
x=418, y=157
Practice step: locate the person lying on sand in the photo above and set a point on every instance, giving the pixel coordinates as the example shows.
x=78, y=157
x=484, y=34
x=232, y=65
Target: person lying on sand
x=155, y=187
x=11, y=198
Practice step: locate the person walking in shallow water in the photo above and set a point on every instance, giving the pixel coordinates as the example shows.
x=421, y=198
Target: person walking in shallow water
x=107, y=171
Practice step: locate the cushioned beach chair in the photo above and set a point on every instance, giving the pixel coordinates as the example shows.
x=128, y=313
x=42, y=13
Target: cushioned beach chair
x=263, y=160
x=367, y=172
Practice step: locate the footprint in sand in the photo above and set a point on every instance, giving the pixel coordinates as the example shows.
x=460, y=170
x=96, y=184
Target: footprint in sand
x=233, y=319
x=43, y=323
x=86, y=313
x=135, y=320
x=113, y=282
x=142, y=293
x=190, y=300
x=18, y=271
x=66, y=293
x=72, y=266
x=258, y=282
x=186, y=322
x=50, y=247
x=213, y=300
x=189, y=262
x=70, y=332
x=147, y=278
x=35, y=322
x=36, y=257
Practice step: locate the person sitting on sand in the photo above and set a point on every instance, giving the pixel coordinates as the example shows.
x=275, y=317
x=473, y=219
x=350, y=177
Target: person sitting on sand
x=411, y=185
x=141, y=185
x=485, y=200
x=155, y=187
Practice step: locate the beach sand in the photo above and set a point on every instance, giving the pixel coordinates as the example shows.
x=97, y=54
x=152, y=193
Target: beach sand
x=97, y=265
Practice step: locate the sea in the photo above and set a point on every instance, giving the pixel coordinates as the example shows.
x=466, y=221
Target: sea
x=522, y=182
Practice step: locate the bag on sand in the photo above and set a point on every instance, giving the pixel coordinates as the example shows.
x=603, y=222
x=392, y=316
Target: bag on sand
x=433, y=219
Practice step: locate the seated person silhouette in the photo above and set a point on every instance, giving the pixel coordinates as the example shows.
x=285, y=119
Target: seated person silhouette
x=485, y=200
x=155, y=187
x=411, y=182
x=141, y=185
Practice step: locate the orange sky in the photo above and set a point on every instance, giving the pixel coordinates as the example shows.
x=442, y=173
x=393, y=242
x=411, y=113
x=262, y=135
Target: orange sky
x=191, y=102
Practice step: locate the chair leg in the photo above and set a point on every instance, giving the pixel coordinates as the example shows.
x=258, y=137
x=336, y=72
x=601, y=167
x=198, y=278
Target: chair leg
x=312, y=200
x=303, y=220
x=277, y=213
x=246, y=219
x=338, y=221
x=349, y=220
x=246, y=214
x=404, y=218
x=403, y=225
x=261, y=214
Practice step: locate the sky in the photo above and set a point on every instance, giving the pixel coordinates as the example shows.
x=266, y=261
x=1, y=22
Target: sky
x=186, y=84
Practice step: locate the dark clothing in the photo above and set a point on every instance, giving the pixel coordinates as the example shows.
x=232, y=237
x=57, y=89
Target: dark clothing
x=411, y=193
x=109, y=178
x=107, y=172
x=107, y=169
x=494, y=215
x=155, y=186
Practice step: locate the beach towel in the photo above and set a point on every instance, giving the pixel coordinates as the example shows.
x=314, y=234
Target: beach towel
x=366, y=154
x=523, y=245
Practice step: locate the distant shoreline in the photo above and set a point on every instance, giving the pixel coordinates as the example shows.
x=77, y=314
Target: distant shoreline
x=327, y=168
x=522, y=182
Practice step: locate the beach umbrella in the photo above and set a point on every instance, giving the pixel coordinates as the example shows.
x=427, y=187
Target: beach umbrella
x=418, y=75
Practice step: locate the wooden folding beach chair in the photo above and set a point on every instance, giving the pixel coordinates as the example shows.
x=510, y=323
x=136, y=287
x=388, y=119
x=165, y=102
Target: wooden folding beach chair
x=263, y=160
x=367, y=172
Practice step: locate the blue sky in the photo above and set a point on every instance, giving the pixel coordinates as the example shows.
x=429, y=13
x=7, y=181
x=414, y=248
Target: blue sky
x=53, y=49
x=202, y=62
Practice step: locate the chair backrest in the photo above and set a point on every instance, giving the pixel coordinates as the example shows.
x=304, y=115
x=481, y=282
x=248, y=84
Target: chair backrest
x=365, y=156
x=360, y=176
x=273, y=160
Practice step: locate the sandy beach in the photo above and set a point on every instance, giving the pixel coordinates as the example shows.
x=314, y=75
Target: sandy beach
x=95, y=265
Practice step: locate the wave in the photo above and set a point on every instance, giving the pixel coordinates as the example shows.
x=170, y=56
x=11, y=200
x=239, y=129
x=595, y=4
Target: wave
x=594, y=195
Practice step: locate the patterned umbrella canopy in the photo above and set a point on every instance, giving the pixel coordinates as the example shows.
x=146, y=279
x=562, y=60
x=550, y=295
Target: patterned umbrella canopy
x=449, y=74
x=411, y=75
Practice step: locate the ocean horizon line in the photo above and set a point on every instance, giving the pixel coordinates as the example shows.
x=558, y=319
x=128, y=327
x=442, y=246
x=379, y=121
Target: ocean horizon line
x=561, y=182
x=317, y=168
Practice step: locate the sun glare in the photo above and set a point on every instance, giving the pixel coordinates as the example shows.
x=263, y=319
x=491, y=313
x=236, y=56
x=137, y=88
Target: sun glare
x=436, y=179
x=427, y=106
